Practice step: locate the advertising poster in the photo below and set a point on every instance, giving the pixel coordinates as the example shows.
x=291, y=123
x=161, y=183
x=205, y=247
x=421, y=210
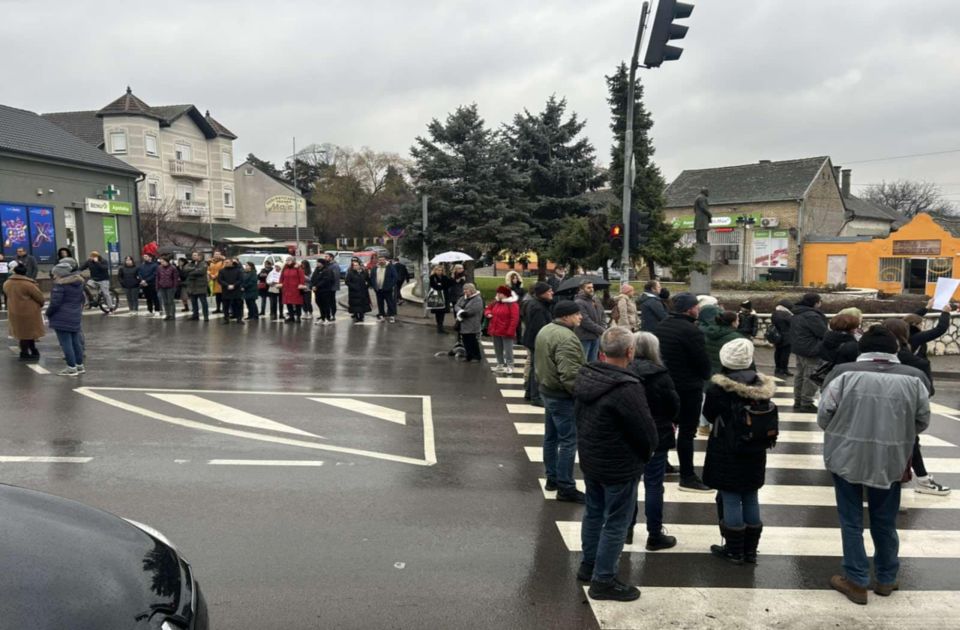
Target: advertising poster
x=42, y=242
x=761, y=248
x=109, y=232
x=13, y=220
x=780, y=248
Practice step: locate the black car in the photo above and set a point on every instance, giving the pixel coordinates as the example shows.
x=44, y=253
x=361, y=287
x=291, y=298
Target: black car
x=67, y=565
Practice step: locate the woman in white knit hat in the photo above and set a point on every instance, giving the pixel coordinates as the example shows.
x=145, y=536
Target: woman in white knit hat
x=736, y=458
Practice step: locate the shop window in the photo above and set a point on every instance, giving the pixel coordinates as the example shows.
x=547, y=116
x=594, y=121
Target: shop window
x=939, y=268
x=150, y=145
x=891, y=270
x=118, y=142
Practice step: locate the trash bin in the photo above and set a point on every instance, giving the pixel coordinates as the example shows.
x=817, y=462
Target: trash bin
x=782, y=274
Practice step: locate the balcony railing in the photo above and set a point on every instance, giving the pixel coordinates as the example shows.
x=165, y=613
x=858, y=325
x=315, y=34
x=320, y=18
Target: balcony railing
x=191, y=208
x=187, y=169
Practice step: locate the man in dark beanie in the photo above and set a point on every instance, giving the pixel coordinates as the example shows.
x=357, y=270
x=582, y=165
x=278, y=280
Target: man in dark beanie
x=685, y=355
x=536, y=314
x=870, y=412
x=807, y=328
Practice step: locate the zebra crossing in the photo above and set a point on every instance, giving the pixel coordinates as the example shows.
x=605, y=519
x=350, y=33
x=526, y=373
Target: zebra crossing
x=801, y=545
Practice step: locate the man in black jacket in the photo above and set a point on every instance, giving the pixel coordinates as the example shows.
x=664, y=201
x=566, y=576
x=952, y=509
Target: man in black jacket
x=807, y=328
x=327, y=284
x=616, y=436
x=651, y=307
x=684, y=353
x=537, y=313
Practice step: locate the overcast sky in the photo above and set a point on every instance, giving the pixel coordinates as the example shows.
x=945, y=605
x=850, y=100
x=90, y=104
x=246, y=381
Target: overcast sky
x=759, y=79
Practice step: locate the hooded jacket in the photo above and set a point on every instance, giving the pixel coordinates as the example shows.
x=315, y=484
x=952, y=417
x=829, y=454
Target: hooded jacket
x=724, y=468
x=662, y=399
x=504, y=316
x=781, y=320
x=616, y=434
x=627, y=311
x=24, y=304
x=65, y=311
x=871, y=412
x=714, y=336
x=807, y=329
x=652, y=311
x=839, y=347
x=683, y=351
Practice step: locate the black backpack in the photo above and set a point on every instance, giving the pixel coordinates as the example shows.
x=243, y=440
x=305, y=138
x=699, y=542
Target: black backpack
x=756, y=425
x=773, y=335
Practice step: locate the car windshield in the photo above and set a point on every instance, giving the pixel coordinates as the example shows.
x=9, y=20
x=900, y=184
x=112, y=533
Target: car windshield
x=344, y=258
x=256, y=259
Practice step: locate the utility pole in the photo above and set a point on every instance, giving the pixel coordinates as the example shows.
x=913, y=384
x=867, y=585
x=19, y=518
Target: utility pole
x=628, y=150
x=296, y=199
x=425, y=271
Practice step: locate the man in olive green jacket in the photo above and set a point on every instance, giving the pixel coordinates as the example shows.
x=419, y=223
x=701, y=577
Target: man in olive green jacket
x=558, y=356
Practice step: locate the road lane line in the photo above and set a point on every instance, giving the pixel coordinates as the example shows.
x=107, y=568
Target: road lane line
x=789, y=541
x=39, y=369
x=264, y=462
x=367, y=409
x=525, y=409
x=509, y=380
x=42, y=459
x=512, y=393
x=227, y=414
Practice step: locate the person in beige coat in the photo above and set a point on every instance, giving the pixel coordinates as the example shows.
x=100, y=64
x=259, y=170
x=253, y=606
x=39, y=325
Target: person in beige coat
x=624, y=312
x=24, y=301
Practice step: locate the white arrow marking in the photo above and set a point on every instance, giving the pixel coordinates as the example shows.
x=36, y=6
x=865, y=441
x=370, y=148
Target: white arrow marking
x=369, y=409
x=226, y=414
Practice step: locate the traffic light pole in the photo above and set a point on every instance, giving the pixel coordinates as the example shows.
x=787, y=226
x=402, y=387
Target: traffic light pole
x=628, y=150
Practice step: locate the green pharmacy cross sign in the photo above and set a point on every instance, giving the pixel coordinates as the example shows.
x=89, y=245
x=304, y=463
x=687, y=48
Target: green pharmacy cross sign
x=111, y=191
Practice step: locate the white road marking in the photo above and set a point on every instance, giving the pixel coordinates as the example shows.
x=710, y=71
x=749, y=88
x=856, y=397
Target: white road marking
x=793, y=495
x=265, y=462
x=754, y=608
x=429, y=446
x=42, y=459
x=525, y=409
x=512, y=393
x=509, y=380
x=784, y=389
x=943, y=410
x=517, y=351
x=39, y=369
x=788, y=541
x=785, y=402
x=369, y=409
x=227, y=414
x=796, y=416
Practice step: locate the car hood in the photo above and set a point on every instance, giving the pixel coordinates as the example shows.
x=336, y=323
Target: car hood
x=68, y=565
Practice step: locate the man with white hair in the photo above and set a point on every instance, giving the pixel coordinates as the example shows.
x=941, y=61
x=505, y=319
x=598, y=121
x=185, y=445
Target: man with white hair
x=616, y=436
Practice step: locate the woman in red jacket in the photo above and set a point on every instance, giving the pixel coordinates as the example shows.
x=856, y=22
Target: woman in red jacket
x=504, y=315
x=292, y=283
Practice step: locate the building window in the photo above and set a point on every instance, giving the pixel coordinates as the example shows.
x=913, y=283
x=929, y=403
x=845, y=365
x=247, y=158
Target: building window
x=248, y=171
x=891, y=270
x=228, y=197
x=182, y=152
x=185, y=192
x=939, y=268
x=150, y=145
x=153, y=189
x=118, y=142
x=226, y=160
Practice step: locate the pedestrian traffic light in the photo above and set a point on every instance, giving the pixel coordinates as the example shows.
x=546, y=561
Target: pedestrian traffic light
x=663, y=30
x=638, y=229
x=615, y=237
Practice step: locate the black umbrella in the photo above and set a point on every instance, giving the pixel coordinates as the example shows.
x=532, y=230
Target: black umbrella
x=573, y=283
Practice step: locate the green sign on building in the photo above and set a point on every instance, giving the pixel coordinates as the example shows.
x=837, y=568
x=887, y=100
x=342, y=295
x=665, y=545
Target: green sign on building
x=110, y=234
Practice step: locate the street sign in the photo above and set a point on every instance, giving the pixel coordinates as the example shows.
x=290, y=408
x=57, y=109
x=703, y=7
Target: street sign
x=395, y=232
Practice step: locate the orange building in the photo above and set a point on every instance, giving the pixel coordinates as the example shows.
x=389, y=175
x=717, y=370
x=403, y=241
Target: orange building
x=909, y=260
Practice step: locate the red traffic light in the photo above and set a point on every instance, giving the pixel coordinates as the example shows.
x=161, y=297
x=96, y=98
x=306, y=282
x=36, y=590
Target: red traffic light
x=616, y=231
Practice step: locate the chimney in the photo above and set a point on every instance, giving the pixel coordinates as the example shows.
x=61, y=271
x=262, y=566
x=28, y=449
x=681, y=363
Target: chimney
x=836, y=174
x=845, y=186
x=764, y=162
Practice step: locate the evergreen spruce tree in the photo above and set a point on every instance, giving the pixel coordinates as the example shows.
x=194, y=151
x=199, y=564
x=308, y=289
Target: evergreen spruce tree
x=663, y=245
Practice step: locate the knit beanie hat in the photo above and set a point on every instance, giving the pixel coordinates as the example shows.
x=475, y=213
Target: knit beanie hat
x=878, y=339
x=540, y=288
x=737, y=354
x=683, y=302
x=64, y=268
x=564, y=308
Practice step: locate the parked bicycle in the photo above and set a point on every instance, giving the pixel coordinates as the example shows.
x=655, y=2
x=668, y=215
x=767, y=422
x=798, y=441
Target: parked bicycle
x=95, y=298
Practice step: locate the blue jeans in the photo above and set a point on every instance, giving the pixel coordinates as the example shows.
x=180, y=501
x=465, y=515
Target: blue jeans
x=883, y=506
x=72, y=345
x=740, y=508
x=591, y=348
x=559, y=441
x=653, y=491
x=608, y=514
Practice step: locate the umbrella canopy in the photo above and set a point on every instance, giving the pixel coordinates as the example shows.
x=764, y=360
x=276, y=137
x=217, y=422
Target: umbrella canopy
x=450, y=257
x=573, y=283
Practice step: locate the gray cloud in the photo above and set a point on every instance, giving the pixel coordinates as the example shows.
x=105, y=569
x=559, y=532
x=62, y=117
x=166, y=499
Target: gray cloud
x=758, y=79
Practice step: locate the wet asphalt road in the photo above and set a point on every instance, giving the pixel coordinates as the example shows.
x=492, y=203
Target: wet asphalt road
x=373, y=539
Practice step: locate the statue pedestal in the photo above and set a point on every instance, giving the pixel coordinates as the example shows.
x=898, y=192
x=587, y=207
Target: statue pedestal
x=700, y=282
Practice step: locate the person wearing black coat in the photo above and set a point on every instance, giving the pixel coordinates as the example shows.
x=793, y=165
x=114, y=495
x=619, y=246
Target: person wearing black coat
x=684, y=353
x=358, y=291
x=780, y=319
x=130, y=283
x=537, y=313
x=326, y=282
x=807, y=329
x=748, y=320
x=839, y=345
x=919, y=337
x=651, y=307
x=664, y=406
x=442, y=284
x=616, y=437
x=736, y=470
x=231, y=290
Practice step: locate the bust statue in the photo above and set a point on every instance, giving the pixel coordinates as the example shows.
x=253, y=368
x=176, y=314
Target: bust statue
x=702, y=216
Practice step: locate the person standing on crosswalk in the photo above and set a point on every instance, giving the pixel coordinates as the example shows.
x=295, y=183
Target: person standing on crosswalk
x=807, y=329
x=685, y=355
x=537, y=312
x=736, y=467
x=559, y=356
x=871, y=411
x=65, y=314
x=616, y=437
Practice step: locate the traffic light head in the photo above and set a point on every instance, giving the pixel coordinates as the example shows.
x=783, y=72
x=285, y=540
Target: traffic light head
x=663, y=30
x=638, y=228
x=615, y=236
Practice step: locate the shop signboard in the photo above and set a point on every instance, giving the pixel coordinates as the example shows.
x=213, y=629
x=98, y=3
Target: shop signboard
x=106, y=206
x=110, y=234
x=916, y=248
x=718, y=221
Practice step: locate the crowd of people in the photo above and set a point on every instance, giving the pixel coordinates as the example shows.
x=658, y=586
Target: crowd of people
x=621, y=391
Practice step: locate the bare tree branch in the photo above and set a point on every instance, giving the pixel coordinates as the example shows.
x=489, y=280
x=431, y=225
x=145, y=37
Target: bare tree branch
x=909, y=197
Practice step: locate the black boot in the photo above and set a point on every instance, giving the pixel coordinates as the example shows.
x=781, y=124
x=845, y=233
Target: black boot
x=732, y=549
x=751, y=539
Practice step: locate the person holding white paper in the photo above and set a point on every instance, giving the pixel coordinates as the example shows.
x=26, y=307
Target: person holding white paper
x=945, y=289
x=919, y=337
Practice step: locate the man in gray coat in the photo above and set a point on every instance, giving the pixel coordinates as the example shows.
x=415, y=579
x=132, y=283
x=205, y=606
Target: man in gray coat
x=591, y=326
x=871, y=412
x=469, y=311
